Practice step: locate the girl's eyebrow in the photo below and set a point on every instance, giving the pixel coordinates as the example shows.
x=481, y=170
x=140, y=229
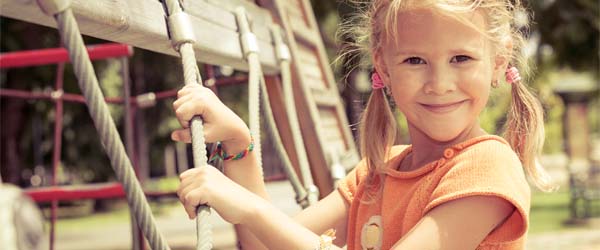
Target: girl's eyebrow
x=464, y=50
x=407, y=53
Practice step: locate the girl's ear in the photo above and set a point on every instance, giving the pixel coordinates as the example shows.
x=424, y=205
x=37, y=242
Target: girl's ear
x=502, y=59
x=381, y=67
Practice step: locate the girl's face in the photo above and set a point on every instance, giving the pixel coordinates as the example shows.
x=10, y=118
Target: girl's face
x=439, y=71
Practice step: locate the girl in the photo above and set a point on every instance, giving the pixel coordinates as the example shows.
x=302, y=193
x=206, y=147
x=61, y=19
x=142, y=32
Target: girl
x=454, y=187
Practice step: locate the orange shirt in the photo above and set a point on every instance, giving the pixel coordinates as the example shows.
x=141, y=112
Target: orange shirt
x=484, y=165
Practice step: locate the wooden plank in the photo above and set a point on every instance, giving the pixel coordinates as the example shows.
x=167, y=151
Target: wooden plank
x=276, y=99
x=296, y=14
x=324, y=97
x=319, y=94
x=349, y=153
x=331, y=130
x=308, y=74
x=213, y=11
x=311, y=67
x=142, y=24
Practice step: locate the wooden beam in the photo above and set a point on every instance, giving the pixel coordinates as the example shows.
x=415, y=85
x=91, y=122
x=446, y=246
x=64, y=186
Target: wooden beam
x=142, y=24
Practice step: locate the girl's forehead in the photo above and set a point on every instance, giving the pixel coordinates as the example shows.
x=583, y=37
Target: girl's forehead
x=428, y=29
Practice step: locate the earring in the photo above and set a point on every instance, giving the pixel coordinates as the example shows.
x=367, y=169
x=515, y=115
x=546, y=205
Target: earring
x=495, y=84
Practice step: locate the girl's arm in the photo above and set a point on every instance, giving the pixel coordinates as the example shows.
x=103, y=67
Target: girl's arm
x=328, y=213
x=460, y=224
x=237, y=205
x=222, y=124
x=279, y=231
x=247, y=173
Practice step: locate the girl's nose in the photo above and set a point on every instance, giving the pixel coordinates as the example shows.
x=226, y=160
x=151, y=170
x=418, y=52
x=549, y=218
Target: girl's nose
x=439, y=81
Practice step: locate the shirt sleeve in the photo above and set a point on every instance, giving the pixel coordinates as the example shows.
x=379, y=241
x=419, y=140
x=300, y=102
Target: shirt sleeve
x=490, y=169
x=349, y=185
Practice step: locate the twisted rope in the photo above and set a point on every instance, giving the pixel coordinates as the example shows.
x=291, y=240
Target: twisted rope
x=256, y=85
x=254, y=78
x=284, y=58
x=301, y=195
x=109, y=135
x=191, y=75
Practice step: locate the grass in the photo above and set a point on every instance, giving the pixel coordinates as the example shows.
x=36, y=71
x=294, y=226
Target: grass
x=81, y=214
x=549, y=212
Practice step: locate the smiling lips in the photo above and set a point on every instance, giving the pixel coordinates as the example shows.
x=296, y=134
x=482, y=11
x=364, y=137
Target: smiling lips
x=444, y=107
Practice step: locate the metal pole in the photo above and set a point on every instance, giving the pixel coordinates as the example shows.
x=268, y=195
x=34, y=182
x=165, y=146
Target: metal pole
x=58, y=122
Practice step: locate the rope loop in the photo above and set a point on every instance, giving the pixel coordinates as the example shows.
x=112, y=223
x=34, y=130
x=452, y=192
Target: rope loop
x=282, y=51
x=247, y=38
x=180, y=29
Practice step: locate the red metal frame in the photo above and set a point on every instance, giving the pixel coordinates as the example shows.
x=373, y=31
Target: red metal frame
x=60, y=55
x=79, y=192
x=68, y=193
x=58, y=95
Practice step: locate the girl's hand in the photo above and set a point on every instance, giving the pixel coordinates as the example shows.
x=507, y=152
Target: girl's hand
x=220, y=123
x=207, y=185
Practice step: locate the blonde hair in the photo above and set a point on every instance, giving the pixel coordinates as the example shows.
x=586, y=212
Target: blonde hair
x=524, y=129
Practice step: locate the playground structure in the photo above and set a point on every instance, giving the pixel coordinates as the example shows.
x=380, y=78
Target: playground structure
x=324, y=129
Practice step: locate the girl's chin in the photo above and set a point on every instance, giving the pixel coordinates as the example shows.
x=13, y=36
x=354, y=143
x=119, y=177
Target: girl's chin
x=445, y=135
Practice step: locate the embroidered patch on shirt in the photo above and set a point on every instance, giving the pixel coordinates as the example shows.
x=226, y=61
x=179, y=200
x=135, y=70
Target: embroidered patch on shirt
x=371, y=235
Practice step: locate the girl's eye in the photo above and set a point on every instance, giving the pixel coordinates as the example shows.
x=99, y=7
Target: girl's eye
x=414, y=60
x=460, y=59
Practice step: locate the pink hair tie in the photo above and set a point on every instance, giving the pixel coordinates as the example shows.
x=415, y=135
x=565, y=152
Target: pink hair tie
x=376, y=82
x=512, y=75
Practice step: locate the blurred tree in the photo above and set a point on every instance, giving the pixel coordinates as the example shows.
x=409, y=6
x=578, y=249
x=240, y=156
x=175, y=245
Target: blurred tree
x=27, y=125
x=572, y=29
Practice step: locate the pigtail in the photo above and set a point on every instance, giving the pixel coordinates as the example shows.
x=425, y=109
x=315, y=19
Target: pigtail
x=377, y=135
x=524, y=131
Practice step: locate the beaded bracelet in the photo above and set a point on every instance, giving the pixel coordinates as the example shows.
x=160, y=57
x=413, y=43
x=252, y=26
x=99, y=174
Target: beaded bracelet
x=326, y=240
x=219, y=153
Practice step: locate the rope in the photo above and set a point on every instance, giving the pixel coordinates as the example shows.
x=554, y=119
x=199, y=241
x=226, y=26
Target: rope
x=106, y=128
x=301, y=194
x=256, y=84
x=182, y=37
x=250, y=50
x=284, y=57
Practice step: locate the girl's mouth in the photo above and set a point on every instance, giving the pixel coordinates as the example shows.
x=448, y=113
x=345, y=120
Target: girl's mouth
x=442, y=108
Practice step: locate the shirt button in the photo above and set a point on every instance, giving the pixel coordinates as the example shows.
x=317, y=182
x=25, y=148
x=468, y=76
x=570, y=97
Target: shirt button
x=448, y=153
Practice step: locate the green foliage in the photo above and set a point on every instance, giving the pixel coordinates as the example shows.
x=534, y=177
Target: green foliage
x=572, y=29
x=549, y=212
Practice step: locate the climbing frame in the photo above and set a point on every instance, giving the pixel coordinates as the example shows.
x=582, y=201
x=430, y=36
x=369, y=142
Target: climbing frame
x=324, y=126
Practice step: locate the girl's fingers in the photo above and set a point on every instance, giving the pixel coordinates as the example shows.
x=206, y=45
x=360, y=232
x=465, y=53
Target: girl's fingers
x=181, y=100
x=187, y=89
x=182, y=135
x=187, y=110
x=187, y=183
x=190, y=101
x=192, y=200
x=188, y=173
